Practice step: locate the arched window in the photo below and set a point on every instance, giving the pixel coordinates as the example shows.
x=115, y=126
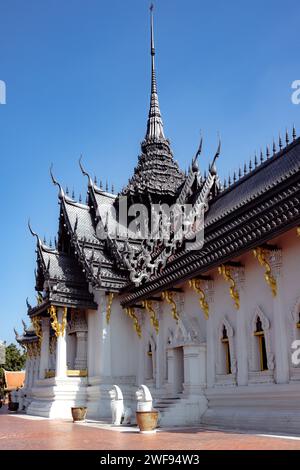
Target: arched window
x=261, y=344
x=226, y=366
x=226, y=350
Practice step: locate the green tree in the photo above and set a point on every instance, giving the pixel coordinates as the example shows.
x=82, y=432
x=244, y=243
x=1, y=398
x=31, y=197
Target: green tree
x=15, y=359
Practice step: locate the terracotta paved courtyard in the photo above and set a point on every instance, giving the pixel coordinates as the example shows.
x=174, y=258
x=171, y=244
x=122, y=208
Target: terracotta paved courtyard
x=23, y=433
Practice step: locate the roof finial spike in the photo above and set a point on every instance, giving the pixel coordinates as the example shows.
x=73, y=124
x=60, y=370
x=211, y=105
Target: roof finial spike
x=268, y=152
x=274, y=147
x=106, y=186
x=294, y=132
x=44, y=240
x=112, y=189
x=280, y=142
x=245, y=168
x=73, y=194
x=240, y=172
x=67, y=191
x=261, y=156
x=100, y=184
x=80, y=198
x=250, y=165
x=255, y=160
x=50, y=242
x=234, y=176
x=225, y=184
x=229, y=180
x=287, y=137
x=95, y=180
x=154, y=125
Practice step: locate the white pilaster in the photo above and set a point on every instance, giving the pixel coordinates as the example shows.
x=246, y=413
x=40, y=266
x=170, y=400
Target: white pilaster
x=160, y=350
x=241, y=337
x=61, y=349
x=279, y=313
x=44, y=358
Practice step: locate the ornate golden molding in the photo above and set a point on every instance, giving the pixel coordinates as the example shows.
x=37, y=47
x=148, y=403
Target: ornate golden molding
x=131, y=313
x=147, y=304
x=59, y=328
x=37, y=325
x=168, y=296
x=108, y=306
x=196, y=285
x=226, y=272
x=52, y=344
x=261, y=254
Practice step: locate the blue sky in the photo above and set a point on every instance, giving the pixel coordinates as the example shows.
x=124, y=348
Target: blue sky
x=78, y=74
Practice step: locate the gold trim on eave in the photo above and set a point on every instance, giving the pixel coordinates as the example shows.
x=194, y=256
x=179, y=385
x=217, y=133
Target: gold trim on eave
x=59, y=328
x=261, y=255
x=225, y=271
x=168, y=296
x=131, y=313
x=147, y=304
x=36, y=322
x=196, y=285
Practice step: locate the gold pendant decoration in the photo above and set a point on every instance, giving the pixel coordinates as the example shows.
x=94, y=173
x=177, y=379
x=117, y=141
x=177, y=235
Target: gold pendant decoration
x=261, y=255
x=59, y=328
x=131, y=313
x=147, y=304
x=225, y=271
x=37, y=325
x=168, y=296
x=108, y=306
x=196, y=285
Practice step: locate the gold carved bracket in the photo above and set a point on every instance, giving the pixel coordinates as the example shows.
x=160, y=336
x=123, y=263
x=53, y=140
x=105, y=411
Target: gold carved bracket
x=197, y=286
x=168, y=297
x=262, y=255
x=147, y=304
x=131, y=313
x=59, y=328
x=37, y=325
x=108, y=306
x=226, y=272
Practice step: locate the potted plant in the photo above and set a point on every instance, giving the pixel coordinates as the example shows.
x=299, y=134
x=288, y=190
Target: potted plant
x=78, y=413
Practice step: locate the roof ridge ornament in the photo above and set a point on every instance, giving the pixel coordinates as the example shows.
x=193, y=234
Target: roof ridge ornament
x=34, y=234
x=61, y=194
x=84, y=172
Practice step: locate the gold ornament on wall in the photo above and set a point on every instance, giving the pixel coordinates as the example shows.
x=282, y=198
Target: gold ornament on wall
x=197, y=286
x=37, y=325
x=147, y=304
x=261, y=254
x=131, y=313
x=168, y=297
x=59, y=328
x=226, y=272
x=108, y=306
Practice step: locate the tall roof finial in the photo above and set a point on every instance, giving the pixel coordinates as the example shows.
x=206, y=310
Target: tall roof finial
x=154, y=126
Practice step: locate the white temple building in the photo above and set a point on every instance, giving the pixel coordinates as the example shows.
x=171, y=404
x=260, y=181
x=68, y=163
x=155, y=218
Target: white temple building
x=211, y=330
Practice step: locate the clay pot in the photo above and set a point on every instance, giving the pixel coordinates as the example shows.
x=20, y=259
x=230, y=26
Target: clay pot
x=79, y=413
x=147, y=421
x=13, y=406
